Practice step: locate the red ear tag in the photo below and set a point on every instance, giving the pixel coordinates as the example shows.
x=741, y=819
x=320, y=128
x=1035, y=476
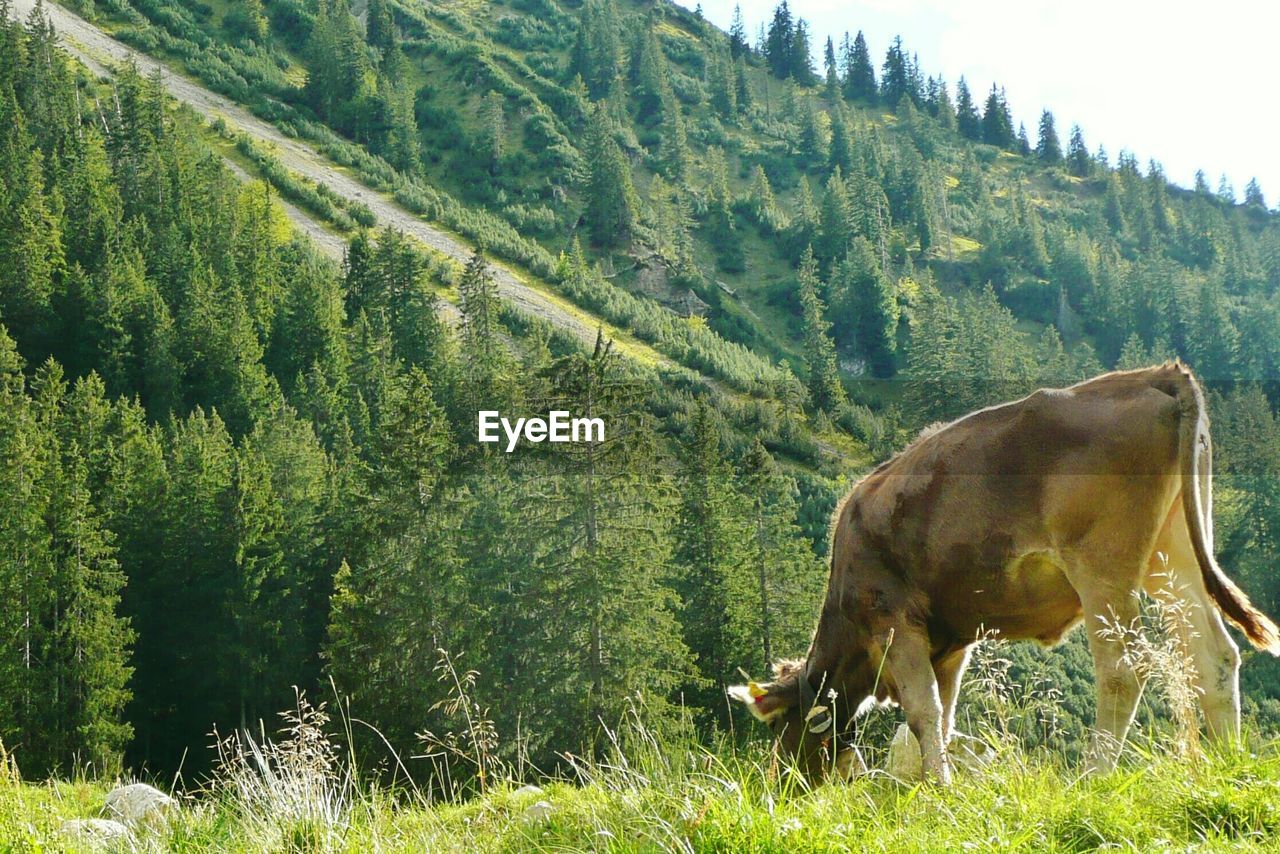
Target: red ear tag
x=759, y=699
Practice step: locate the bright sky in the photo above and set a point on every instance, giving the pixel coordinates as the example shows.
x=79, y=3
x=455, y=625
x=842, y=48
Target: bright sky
x=1193, y=85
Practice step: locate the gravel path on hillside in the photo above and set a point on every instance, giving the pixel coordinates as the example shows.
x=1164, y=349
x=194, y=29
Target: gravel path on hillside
x=98, y=50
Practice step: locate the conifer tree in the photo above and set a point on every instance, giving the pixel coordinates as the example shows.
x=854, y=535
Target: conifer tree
x=1079, y=163
x=787, y=582
x=1048, y=148
x=831, y=72
x=866, y=306
x=720, y=214
x=762, y=204
x=481, y=346
x=800, y=63
x=859, y=75
x=724, y=92
x=997, y=124
x=491, y=142
x=825, y=391
x=711, y=554
x=894, y=81
x=1253, y=197
x=738, y=34
x=840, y=154
x=607, y=529
x=611, y=198
x=835, y=226
x=597, y=50
x=674, y=143
x=778, y=49
x=742, y=87
x=968, y=121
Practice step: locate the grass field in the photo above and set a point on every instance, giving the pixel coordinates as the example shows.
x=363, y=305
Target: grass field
x=652, y=797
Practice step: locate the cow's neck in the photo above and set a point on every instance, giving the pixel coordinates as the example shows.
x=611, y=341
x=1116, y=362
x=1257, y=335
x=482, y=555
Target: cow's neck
x=838, y=660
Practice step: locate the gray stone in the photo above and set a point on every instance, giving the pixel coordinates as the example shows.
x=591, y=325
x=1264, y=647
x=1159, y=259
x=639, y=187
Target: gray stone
x=137, y=804
x=94, y=831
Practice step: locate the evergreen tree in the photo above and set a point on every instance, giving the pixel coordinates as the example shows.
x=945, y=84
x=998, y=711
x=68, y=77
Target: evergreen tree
x=762, y=204
x=825, y=390
x=738, y=34
x=741, y=87
x=895, y=83
x=711, y=554
x=597, y=51
x=778, y=49
x=721, y=82
x=834, y=223
x=720, y=214
x=787, y=583
x=611, y=199
x=1079, y=163
x=481, y=346
x=1253, y=197
x=997, y=124
x=831, y=72
x=840, y=150
x=859, y=75
x=967, y=120
x=607, y=567
x=492, y=140
x=674, y=144
x=866, y=306
x=800, y=64
x=1048, y=148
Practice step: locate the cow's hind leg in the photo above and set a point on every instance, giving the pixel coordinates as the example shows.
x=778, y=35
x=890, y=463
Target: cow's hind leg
x=907, y=662
x=1174, y=579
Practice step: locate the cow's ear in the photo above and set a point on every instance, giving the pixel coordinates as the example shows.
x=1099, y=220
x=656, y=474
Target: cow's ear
x=765, y=702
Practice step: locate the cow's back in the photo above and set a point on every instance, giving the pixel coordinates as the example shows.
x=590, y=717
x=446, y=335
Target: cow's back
x=972, y=523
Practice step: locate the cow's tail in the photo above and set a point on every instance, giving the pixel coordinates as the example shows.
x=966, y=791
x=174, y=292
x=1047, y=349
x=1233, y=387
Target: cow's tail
x=1194, y=454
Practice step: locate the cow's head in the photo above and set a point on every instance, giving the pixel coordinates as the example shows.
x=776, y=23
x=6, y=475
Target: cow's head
x=804, y=724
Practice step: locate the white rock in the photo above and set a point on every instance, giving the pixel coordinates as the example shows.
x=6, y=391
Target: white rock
x=528, y=789
x=969, y=753
x=138, y=803
x=92, y=831
x=539, y=811
x=904, y=755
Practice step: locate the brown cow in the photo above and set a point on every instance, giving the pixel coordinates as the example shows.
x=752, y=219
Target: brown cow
x=1022, y=519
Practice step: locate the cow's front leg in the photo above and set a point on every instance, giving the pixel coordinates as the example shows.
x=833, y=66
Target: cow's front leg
x=908, y=665
x=949, y=671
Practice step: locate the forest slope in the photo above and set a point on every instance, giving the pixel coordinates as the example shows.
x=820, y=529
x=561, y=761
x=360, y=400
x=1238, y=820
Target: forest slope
x=100, y=52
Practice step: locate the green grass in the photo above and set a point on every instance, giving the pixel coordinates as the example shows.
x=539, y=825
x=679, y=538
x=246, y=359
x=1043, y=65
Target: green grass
x=689, y=799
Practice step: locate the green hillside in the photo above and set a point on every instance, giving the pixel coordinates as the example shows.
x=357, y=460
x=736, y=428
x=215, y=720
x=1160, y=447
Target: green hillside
x=243, y=464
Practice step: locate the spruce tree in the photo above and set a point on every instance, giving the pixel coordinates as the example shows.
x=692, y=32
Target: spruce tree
x=1048, y=148
x=1079, y=163
x=711, y=554
x=894, y=81
x=800, y=64
x=787, y=579
x=605, y=576
x=967, y=120
x=831, y=72
x=738, y=34
x=997, y=124
x=859, y=75
x=825, y=391
x=611, y=197
x=778, y=49
x=866, y=306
